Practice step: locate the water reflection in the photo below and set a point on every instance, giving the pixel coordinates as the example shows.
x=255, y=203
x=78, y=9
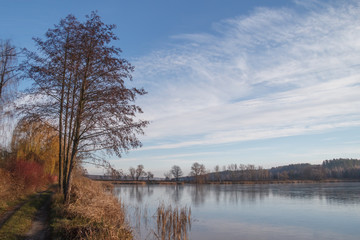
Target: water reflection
x=333, y=193
x=176, y=192
x=135, y=192
x=198, y=193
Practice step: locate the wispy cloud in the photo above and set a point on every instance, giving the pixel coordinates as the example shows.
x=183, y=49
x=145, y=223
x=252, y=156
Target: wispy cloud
x=273, y=73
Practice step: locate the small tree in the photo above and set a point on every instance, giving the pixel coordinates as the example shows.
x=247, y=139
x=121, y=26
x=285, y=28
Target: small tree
x=149, y=175
x=167, y=175
x=113, y=173
x=176, y=172
x=139, y=172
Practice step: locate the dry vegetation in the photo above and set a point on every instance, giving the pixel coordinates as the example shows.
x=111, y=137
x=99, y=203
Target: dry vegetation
x=93, y=213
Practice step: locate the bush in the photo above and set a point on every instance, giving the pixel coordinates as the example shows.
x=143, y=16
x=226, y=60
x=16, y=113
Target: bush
x=30, y=173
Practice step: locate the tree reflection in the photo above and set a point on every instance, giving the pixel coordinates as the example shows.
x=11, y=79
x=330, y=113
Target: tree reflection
x=198, y=193
x=177, y=193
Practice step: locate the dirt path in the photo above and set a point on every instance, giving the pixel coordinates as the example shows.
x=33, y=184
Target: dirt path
x=40, y=228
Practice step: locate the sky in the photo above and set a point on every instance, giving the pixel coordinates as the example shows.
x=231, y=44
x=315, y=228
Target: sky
x=267, y=83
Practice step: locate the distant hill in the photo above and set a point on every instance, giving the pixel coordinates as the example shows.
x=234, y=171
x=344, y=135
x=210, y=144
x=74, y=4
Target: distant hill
x=336, y=168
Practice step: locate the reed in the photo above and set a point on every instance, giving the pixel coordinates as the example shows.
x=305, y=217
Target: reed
x=173, y=223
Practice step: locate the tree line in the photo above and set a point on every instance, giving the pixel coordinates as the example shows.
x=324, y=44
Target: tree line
x=329, y=169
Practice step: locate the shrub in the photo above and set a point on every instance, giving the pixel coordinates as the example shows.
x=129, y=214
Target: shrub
x=30, y=173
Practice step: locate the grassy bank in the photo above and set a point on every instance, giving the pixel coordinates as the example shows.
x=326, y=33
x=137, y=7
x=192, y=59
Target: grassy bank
x=93, y=213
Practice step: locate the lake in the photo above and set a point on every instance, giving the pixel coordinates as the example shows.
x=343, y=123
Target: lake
x=261, y=211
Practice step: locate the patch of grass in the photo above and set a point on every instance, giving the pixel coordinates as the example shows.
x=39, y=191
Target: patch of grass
x=17, y=226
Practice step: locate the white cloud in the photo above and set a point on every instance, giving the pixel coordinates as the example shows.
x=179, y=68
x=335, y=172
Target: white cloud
x=273, y=73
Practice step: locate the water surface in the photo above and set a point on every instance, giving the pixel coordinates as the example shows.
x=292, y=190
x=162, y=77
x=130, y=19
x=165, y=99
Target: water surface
x=266, y=211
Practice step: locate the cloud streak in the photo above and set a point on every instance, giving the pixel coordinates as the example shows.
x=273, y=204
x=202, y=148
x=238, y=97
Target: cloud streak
x=273, y=73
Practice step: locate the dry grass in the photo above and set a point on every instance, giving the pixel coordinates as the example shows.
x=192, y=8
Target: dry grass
x=93, y=213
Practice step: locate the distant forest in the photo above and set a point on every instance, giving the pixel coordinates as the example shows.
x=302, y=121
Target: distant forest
x=329, y=169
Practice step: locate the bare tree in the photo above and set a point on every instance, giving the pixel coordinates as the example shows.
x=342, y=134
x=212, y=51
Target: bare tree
x=113, y=173
x=176, y=172
x=197, y=170
x=79, y=87
x=139, y=172
x=8, y=70
x=167, y=175
x=8, y=84
x=149, y=175
x=132, y=173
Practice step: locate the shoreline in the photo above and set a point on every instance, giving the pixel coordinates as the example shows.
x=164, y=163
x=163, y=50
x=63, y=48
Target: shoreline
x=119, y=182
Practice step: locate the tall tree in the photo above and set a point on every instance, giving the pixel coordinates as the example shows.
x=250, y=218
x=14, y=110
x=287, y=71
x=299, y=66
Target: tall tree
x=8, y=83
x=79, y=87
x=176, y=172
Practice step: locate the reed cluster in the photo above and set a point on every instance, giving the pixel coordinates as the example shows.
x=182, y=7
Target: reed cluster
x=173, y=223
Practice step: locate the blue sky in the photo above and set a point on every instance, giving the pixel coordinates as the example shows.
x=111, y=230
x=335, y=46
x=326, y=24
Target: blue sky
x=253, y=82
